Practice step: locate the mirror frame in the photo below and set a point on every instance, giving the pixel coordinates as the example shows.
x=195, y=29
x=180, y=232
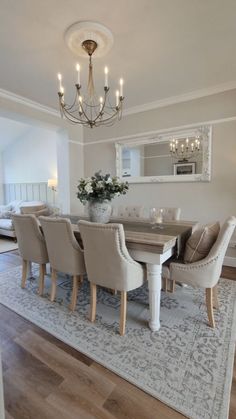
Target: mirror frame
x=204, y=131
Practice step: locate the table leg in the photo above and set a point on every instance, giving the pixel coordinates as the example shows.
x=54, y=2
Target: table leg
x=154, y=285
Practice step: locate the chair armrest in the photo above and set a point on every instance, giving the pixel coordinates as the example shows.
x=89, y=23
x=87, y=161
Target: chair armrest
x=205, y=273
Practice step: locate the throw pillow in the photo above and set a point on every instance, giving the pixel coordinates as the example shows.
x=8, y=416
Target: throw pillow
x=6, y=215
x=200, y=243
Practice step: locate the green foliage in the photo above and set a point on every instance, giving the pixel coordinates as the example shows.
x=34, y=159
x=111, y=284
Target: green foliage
x=100, y=188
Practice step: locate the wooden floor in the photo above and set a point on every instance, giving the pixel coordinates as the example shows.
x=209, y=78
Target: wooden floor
x=46, y=379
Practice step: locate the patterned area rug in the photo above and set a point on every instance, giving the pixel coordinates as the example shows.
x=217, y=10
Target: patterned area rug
x=185, y=364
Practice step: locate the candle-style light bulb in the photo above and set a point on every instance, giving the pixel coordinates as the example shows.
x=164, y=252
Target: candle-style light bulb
x=121, y=87
x=106, y=76
x=101, y=103
x=117, y=98
x=78, y=71
x=59, y=78
x=62, y=92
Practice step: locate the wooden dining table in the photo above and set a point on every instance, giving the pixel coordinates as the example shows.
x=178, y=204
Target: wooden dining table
x=152, y=244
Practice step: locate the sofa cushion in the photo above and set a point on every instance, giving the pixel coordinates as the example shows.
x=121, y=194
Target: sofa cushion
x=6, y=214
x=4, y=208
x=200, y=242
x=15, y=206
x=6, y=224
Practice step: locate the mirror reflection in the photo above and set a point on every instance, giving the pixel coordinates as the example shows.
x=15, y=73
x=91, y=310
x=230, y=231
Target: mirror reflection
x=164, y=159
x=157, y=160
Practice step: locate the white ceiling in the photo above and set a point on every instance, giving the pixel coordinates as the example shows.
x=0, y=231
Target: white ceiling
x=162, y=48
x=11, y=131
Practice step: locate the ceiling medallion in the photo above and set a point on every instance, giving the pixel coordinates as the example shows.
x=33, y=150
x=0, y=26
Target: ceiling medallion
x=90, y=39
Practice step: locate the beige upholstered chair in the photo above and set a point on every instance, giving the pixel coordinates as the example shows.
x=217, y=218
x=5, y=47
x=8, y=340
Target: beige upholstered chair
x=109, y=263
x=205, y=273
x=132, y=212
x=32, y=246
x=65, y=254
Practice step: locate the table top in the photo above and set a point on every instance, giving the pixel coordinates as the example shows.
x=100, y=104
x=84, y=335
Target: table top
x=153, y=238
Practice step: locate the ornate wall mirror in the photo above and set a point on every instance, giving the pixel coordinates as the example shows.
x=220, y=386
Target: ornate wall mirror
x=176, y=156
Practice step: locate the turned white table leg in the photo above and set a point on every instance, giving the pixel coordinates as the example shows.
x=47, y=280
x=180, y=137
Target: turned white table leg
x=154, y=285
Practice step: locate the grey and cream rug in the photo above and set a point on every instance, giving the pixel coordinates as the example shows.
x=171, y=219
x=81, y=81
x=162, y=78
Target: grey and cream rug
x=185, y=364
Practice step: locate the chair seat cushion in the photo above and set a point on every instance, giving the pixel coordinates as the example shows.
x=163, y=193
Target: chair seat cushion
x=200, y=242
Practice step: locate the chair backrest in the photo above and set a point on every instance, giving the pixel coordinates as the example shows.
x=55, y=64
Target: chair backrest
x=65, y=254
x=32, y=246
x=219, y=248
x=133, y=212
x=107, y=259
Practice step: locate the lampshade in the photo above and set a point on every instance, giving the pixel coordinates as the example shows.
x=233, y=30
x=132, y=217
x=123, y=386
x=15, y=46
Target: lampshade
x=52, y=183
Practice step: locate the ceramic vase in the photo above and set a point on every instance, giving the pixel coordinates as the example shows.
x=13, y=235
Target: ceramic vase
x=99, y=212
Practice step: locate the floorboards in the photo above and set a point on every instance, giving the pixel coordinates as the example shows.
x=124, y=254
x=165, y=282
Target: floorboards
x=46, y=379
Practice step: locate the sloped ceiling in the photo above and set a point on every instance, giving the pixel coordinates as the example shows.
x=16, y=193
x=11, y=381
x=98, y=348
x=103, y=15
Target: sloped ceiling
x=162, y=48
x=11, y=131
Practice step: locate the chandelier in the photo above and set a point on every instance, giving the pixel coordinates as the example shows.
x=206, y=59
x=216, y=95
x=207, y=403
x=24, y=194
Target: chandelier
x=185, y=149
x=87, y=109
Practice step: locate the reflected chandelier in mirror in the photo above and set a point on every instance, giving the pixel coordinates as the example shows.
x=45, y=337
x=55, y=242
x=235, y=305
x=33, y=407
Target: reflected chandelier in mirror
x=182, y=155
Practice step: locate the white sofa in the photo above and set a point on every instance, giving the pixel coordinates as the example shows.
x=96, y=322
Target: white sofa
x=19, y=207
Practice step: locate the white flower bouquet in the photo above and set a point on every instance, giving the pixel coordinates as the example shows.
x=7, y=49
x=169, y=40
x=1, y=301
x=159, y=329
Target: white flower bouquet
x=100, y=188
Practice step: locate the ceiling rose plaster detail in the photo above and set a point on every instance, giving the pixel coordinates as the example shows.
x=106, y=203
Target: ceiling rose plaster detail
x=82, y=31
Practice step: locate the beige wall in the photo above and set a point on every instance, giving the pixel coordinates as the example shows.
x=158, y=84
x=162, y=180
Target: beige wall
x=76, y=172
x=214, y=107
x=198, y=200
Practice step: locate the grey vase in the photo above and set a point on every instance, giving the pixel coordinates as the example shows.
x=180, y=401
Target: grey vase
x=99, y=212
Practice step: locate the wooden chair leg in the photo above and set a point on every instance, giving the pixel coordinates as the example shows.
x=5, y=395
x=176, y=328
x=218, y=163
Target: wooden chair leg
x=123, y=309
x=76, y=280
x=165, y=284
x=42, y=268
x=93, y=302
x=172, y=285
x=209, y=304
x=215, y=297
x=24, y=273
x=54, y=285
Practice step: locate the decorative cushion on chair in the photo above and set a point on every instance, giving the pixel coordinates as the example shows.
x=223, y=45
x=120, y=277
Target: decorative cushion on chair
x=200, y=243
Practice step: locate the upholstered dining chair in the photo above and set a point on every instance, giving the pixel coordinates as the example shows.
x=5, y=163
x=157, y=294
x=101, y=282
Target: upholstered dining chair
x=205, y=273
x=109, y=263
x=65, y=254
x=32, y=246
x=169, y=213
x=130, y=212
